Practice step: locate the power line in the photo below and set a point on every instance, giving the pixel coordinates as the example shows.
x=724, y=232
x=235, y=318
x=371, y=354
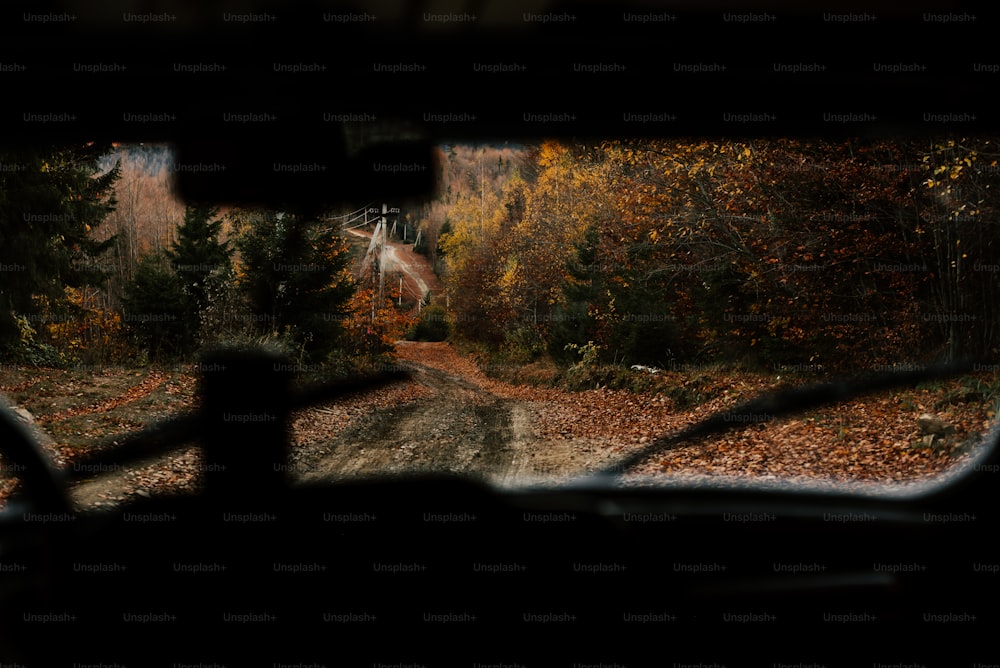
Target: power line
x=364, y=222
x=352, y=213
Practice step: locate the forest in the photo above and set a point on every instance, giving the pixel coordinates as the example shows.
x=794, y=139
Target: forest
x=804, y=255
x=103, y=265
x=815, y=256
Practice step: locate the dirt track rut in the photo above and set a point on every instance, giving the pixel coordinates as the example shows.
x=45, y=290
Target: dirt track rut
x=459, y=428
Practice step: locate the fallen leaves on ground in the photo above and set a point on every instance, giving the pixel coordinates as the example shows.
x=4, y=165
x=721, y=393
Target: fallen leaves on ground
x=143, y=389
x=872, y=439
x=867, y=440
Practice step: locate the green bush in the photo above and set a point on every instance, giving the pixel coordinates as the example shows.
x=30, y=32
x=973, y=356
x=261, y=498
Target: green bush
x=431, y=325
x=523, y=345
x=32, y=352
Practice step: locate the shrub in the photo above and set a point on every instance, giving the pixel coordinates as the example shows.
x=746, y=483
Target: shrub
x=431, y=325
x=86, y=331
x=29, y=351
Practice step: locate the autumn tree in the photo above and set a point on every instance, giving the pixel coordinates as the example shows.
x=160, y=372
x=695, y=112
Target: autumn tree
x=373, y=325
x=816, y=253
x=954, y=200
x=464, y=172
x=81, y=329
x=549, y=215
x=147, y=211
x=472, y=265
x=629, y=275
x=769, y=249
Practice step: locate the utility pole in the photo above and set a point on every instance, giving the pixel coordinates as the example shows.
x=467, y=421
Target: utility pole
x=381, y=262
x=376, y=249
x=373, y=258
x=482, y=194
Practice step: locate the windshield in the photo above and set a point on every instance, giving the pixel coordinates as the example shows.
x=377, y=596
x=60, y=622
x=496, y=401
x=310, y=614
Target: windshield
x=559, y=308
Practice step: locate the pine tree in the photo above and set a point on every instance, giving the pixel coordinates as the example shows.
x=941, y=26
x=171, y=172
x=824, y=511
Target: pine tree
x=156, y=310
x=200, y=260
x=296, y=278
x=51, y=200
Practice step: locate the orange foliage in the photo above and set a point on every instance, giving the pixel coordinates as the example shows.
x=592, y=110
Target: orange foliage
x=84, y=329
x=373, y=328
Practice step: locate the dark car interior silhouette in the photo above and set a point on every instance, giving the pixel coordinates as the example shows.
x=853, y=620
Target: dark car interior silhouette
x=255, y=571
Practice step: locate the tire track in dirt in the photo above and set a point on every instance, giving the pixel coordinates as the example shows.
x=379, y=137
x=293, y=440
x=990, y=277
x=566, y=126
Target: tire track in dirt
x=146, y=387
x=459, y=428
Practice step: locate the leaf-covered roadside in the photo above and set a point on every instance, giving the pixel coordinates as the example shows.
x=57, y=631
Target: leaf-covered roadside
x=870, y=439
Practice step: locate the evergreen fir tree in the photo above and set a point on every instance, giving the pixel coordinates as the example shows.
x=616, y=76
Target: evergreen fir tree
x=51, y=200
x=296, y=277
x=156, y=310
x=200, y=260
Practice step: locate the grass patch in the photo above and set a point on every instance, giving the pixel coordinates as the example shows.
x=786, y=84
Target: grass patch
x=542, y=372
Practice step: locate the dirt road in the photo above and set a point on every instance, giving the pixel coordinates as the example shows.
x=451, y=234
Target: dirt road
x=458, y=428
x=418, y=275
x=457, y=425
x=450, y=416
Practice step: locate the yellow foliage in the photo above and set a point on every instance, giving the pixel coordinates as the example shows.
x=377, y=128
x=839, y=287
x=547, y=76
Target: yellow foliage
x=81, y=327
